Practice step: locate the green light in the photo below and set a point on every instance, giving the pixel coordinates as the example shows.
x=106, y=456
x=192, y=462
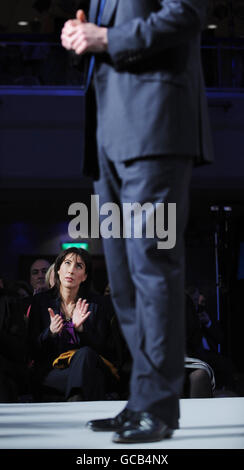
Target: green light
x=65, y=246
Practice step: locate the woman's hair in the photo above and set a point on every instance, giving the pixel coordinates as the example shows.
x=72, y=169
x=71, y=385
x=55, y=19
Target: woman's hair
x=84, y=255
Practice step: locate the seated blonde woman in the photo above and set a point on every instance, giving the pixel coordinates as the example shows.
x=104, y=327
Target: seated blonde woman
x=49, y=277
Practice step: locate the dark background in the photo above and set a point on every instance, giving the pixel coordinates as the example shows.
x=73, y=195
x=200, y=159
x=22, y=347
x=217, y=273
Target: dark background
x=41, y=154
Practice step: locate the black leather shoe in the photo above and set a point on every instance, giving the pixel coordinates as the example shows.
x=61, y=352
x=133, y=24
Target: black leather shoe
x=145, y=428
x=111, y=424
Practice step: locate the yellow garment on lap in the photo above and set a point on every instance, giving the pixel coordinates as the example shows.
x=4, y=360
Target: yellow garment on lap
x=64, y=359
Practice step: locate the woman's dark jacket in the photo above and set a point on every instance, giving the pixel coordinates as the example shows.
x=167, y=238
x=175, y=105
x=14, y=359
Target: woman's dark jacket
x=44, y=347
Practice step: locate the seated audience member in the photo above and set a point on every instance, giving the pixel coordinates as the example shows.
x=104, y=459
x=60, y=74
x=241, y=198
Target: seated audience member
x=38, y=271
x=198, y=344
x=69, y=334
x=13, y=370
x=21, y=289
x=5, y=286
x=199, y=379
x=212, y=333
x=197, y=384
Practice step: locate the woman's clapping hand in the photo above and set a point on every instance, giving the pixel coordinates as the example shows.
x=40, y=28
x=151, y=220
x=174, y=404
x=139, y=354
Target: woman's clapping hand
x=56, y=322
x=80, y=314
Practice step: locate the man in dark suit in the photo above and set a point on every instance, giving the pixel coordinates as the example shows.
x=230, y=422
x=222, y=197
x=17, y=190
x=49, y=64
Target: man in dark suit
x=152, y=126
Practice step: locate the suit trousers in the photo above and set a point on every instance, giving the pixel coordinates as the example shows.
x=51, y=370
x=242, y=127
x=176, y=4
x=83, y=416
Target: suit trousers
x=147, y=283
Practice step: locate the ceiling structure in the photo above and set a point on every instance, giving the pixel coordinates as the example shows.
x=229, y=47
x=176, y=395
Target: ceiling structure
x=225, y=18
x=36, y=16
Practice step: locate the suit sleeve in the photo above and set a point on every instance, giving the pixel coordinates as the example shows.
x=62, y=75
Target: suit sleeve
x=174, y=23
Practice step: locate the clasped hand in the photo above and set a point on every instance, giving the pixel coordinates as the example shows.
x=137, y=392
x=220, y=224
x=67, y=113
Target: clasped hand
x=81, y=36
x=80, y=314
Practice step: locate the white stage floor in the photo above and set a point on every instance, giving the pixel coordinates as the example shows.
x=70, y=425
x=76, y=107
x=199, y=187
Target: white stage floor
x=216, y=423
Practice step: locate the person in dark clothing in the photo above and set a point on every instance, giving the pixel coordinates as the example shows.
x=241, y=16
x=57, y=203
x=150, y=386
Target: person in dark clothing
x=213, y=335
x=151, y=127
x=13, y=370
x=38, y=271
x=196, y=331
x=69, y=334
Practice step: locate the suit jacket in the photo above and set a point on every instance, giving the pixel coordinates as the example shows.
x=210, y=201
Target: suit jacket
x=149, y=86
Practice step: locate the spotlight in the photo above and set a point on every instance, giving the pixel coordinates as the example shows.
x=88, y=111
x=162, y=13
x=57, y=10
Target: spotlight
x=214, y=208
x=212, y=26
x=23, y=23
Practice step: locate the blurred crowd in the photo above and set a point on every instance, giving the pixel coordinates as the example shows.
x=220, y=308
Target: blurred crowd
x=208, y=373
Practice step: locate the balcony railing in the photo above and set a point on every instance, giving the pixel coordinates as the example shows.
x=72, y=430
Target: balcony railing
x=46, y=64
